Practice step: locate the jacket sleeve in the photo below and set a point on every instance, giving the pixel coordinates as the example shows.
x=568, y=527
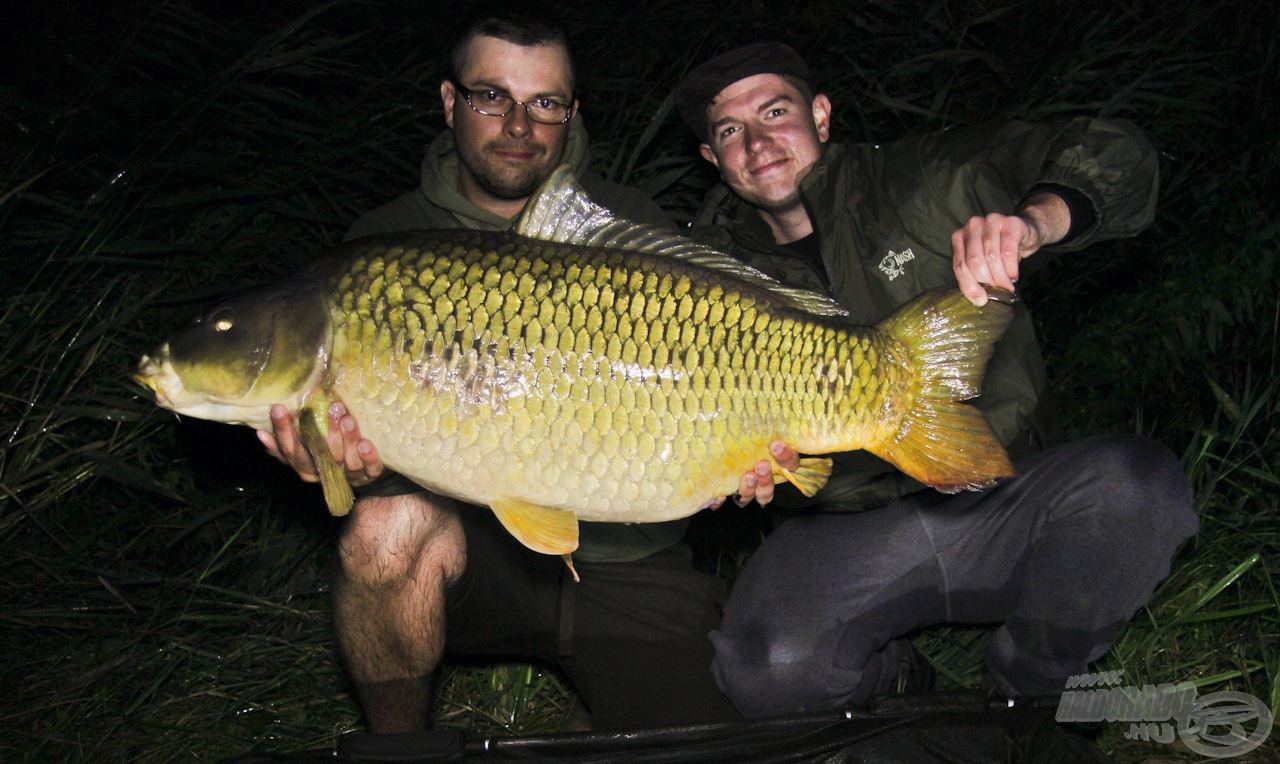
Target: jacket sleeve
x=408, y=212
x=981, y=169
x=1112, y=164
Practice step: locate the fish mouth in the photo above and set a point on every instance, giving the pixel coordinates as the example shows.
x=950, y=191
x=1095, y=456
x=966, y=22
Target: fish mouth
x=151, y=373
x=154, y=388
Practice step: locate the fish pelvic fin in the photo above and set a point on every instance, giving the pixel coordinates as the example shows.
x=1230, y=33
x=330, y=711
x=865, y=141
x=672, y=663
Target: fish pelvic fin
x=809, y=477
x=942, y=441
x=542, y=529
x=333, y=479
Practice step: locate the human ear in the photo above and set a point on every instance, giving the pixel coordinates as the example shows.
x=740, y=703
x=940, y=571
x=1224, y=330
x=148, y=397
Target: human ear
x=709, y=155
x=447, y=97
x=822, y=116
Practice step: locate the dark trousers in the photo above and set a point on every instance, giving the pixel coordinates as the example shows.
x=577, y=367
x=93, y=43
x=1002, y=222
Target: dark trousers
x=1061, y=556
x=631, y=637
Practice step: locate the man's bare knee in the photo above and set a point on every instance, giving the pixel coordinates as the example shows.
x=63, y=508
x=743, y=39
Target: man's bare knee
x=390, y=539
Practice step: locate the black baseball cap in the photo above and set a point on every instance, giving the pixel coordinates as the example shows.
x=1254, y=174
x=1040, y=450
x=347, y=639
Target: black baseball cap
x=695, y=91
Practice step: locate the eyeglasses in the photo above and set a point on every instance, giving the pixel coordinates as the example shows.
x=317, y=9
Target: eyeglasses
x=495, y=103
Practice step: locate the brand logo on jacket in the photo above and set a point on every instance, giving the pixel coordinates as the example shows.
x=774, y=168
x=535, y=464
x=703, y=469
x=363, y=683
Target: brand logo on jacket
x=894, y=264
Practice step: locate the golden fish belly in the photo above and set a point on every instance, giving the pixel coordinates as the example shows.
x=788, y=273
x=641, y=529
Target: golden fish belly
x=621, y=386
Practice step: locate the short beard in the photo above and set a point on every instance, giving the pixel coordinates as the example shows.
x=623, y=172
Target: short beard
x=499, y=184
x=504, y=188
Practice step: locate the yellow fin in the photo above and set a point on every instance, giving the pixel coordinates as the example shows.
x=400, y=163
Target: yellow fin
x=943, y=442
x=948, y=446
x=809, y=476
x=561, y=211
x=542, y=529
x=333, y=479
x=568, y=560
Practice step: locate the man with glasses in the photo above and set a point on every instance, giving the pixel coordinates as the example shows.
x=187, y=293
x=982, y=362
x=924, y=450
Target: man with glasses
x=418, y=573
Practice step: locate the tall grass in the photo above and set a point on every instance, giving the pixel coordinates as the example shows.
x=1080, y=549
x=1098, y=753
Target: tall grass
x=165, y=585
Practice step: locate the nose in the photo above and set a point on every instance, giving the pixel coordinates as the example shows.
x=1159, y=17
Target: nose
x=756, y=140
x=517, y=123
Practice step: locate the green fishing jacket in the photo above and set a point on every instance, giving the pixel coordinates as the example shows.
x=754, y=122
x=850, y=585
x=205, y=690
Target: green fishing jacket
x=883, y=216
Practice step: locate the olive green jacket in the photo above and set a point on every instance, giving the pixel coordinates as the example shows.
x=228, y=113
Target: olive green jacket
x=436, y=203
x=883, y=216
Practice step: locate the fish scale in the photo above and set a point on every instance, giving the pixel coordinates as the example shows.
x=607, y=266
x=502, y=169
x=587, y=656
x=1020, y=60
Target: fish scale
x=456, y=387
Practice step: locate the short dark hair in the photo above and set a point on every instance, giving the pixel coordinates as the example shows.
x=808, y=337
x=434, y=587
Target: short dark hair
x=524, y=23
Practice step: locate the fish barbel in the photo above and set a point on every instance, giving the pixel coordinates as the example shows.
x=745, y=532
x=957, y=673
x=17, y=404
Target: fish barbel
x=585, y=367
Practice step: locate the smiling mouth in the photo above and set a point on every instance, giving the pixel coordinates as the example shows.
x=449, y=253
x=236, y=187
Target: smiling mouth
x=767, y=167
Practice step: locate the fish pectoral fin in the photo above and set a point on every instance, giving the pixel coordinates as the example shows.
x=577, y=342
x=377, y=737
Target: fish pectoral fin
x=542, y=529
x=809, y=477
x=333, y=479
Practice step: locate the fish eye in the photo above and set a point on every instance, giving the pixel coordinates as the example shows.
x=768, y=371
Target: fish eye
x=223, y=321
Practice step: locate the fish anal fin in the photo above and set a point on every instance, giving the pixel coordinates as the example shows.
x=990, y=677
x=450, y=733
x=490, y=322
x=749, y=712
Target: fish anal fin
x=810, y=476
x=333, y=479
x=542, y=529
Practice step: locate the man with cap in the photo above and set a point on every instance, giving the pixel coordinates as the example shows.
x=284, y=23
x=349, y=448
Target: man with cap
x=1061, y=555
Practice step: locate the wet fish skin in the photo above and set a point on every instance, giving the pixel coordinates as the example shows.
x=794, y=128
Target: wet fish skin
x=554, y=381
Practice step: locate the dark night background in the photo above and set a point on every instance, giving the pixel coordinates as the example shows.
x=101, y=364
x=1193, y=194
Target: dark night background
x=163, y=583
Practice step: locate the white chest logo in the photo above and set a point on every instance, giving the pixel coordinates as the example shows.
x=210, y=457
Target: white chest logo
x=894, y=263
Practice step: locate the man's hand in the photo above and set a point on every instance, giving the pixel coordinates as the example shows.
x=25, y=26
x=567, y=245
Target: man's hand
x=988, y=249
x=357, y=455
x=757, y=483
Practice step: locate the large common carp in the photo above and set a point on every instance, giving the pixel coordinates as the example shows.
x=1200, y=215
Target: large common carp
x=585, y=367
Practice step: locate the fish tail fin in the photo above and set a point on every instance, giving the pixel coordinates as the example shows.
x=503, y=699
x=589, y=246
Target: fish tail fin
x=944, y=442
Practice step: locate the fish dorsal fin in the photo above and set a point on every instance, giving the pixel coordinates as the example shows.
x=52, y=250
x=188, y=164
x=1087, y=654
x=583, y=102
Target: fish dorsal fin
x=561, y=211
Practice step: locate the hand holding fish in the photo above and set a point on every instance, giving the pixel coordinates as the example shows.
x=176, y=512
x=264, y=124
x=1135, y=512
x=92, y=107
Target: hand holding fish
x=357, y=454
x=988, y=248
x=758, y=483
